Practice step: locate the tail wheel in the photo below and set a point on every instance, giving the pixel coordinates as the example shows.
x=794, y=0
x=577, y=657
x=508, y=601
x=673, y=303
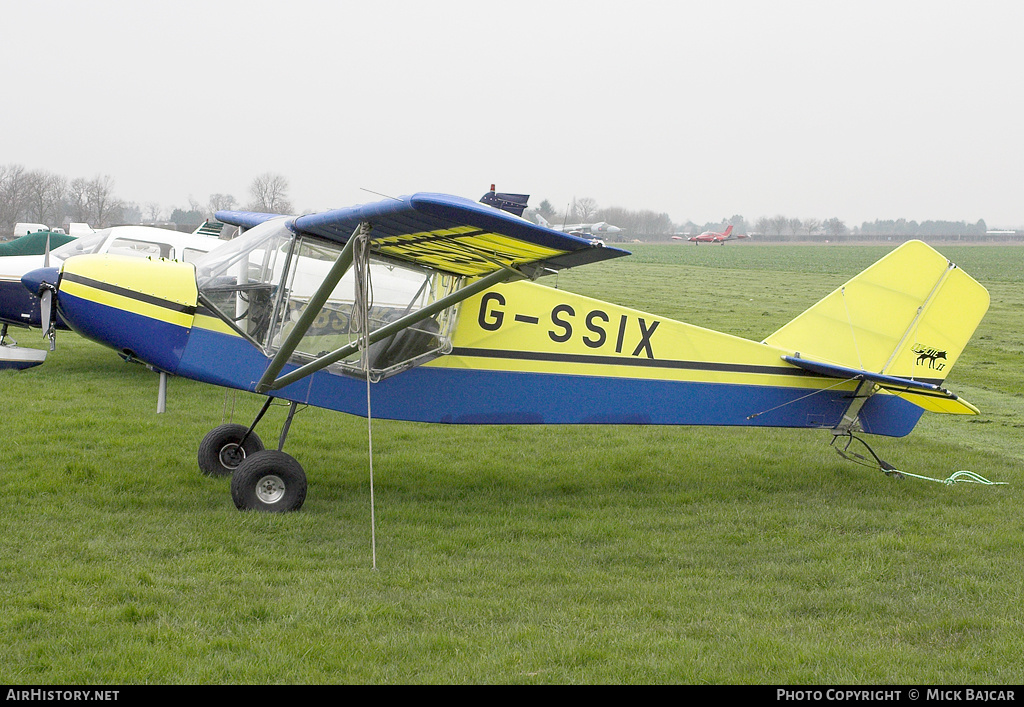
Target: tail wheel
x=270, y=481
x=220, y=453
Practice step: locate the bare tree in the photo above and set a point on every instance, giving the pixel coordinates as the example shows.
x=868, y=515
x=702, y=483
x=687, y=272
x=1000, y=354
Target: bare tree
x=129, y=212
x=269, y=193
x=835, y=227
x=92, y=201
x=778, y=224
x=738, y=223
x=638, y=224
x=812, y=225
x=221, y=202
x=104, y=208
x=13, y=187
x=45, y=194
x=78, y=200
x=584, y=208
x=651, y=223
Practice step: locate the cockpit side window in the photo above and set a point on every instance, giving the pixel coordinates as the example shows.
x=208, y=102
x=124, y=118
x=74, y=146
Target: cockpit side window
x=395, y=291
x=240, y=279
x=80, y=246
x=264, y=280
x=132, y=246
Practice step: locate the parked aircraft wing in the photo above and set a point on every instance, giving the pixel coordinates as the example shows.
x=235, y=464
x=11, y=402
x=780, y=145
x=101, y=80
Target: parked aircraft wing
x=449, y=234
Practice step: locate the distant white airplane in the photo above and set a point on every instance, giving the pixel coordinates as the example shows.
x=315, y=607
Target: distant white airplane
x=600, y=229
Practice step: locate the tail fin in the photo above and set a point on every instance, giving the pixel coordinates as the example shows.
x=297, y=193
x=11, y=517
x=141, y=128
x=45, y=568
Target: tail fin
x=908, y=316
x=728, y=230
x=513, y=203
x=543, y=221
x=209, y=228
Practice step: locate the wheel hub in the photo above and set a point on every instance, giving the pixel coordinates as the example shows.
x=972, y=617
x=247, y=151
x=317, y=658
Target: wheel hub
x=231, y=455
x=270, y=489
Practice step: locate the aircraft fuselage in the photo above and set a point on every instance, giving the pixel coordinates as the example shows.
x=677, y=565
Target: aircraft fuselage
x=520, y=353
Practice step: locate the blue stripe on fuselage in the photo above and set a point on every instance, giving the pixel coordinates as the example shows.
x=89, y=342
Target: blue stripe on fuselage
x=18, y=305
x=469, y=396
x=157, y=343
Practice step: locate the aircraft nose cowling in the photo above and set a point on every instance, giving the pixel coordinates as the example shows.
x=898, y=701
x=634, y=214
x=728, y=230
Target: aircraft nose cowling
x=34, y=279
x=141, y=307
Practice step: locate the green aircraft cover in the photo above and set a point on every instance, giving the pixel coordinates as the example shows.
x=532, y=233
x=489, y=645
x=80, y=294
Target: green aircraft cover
x=33, y=243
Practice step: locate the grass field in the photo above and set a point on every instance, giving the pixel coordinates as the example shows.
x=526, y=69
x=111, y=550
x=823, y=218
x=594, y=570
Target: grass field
x=523, y=554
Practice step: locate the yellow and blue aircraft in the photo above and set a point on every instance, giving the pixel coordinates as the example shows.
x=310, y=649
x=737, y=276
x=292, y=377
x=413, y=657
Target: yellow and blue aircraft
x=426, y=308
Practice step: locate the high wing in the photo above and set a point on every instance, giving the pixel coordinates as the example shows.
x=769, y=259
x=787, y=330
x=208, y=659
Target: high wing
x=475, y=246
x=447, y=233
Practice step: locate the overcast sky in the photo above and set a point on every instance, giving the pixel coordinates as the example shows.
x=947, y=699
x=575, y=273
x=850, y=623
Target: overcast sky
x=861, y=110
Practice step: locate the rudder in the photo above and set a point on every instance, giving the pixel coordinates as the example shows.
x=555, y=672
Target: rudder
x=909, y=315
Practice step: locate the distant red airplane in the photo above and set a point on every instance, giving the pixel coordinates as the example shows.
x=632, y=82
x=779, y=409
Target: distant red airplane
x=712, y=237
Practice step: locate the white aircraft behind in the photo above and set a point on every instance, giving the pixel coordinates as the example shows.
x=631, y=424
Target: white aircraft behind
x=21, y=308
x=599, y=229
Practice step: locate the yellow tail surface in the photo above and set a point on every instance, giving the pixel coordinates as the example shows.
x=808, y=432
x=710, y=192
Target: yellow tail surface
x=909, y=315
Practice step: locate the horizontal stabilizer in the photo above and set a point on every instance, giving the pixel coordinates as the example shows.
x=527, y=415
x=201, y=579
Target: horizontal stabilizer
x=925, y=395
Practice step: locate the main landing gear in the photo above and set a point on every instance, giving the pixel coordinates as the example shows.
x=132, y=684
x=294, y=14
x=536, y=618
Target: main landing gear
x=261, y=479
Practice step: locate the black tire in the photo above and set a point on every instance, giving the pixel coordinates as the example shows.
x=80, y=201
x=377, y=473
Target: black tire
x=269, y=481
x=219, y=453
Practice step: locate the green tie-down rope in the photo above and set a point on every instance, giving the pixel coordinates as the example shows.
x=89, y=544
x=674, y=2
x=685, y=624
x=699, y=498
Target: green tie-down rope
x=888, y=469
x=959, y=477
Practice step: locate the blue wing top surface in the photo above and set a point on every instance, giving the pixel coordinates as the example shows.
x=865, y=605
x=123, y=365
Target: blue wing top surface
x=244, y=219
x=447, y=233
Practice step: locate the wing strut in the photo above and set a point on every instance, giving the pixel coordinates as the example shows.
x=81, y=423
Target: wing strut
x=270, y=382
x=316, y=303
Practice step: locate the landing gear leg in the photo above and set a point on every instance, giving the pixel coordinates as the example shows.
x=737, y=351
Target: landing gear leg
x=266, y=479
x=287, y=425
